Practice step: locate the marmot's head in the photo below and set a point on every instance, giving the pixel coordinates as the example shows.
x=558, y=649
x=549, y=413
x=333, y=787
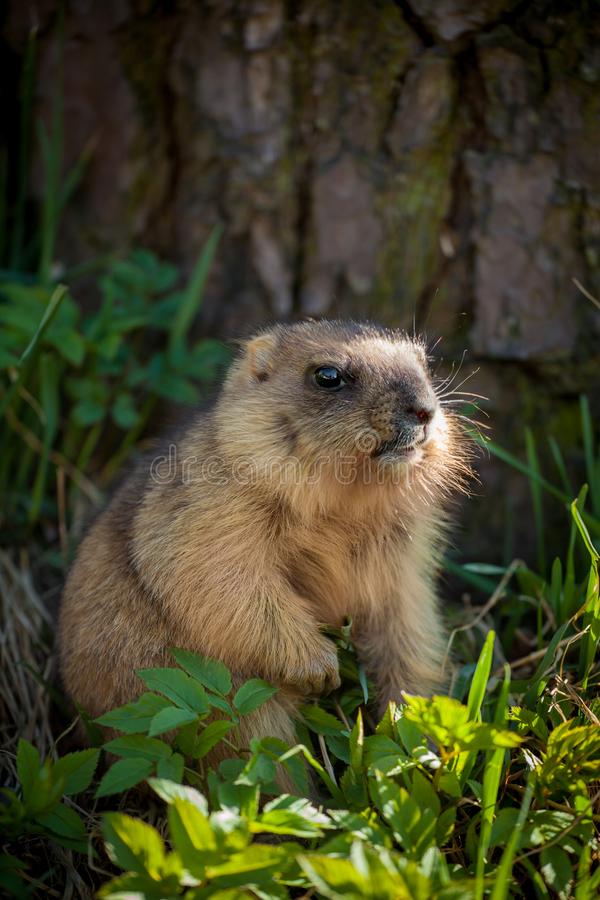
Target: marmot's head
x=338, y=400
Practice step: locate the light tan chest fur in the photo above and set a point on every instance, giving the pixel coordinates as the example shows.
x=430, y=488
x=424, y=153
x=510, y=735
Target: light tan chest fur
x=346, y=569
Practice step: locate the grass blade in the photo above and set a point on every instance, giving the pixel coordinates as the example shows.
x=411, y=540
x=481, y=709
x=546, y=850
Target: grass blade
x=591, y=521
x=486, y=585
x=480, y=677
x=503, y=873
x=591, y=617
x=536, y=499
x=49, y=395
x=491, y=783
x=56, y=299
x=560, y=465
x=28, y=355
x=576, y=513
x=192, y=297
x=465, y=761
x=587, y=430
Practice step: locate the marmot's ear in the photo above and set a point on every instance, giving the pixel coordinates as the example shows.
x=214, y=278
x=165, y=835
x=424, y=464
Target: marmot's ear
x=260, y=351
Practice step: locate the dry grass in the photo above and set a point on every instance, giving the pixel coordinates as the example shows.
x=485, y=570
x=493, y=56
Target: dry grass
x=27, y=664
x=28, y=678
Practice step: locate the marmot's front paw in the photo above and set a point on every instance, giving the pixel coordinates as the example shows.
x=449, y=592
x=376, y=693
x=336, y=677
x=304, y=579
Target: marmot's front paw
x=316, y=671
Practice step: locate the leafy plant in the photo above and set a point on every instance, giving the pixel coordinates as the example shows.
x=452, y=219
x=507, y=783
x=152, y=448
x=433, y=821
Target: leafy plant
x=439, y=799
x=79, y=380
x=71, y=384
x=40, y=808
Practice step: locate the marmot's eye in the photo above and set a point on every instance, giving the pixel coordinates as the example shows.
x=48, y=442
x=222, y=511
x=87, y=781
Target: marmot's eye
x=328, y=377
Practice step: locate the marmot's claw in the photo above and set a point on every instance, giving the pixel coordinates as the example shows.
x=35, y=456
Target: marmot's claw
x=317, y=673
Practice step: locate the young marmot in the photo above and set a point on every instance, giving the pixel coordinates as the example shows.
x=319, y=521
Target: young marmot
x=312, y=491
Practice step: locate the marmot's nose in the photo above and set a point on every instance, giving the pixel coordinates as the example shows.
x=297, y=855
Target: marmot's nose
x=421, y=410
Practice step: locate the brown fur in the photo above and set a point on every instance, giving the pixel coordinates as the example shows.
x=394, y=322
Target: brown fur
x=247, y=565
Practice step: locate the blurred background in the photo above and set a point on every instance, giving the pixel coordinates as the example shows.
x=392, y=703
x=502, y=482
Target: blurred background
x=412, y=162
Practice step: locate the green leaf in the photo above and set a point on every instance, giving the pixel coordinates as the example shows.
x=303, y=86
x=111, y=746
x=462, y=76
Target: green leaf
x=252, y=694
x=218, y=702
x=360, y=825
x=212, y=673
x=291, y=815
x=178, y=687
x=87, y=412
x=385, y=755
x=254, y=866
x=357, y=738
x=449, y=783
x=540, y=677
x=338, y=878
x=206, y=359
x=413, y=827
x=108, y=346
x=65, y=823
x=572, y=755
x=139, y=887
x=260, y=769
x=29, y=765
x=423, y=792
x=209, y=737
x=10, y=877
x=447, y=722
x=169, y=718
x=176, y=388
x=133, y=845
x=124, y=412
x=169, y=790
x=138, y=747
x=124, y=774
x=338, y=747
x=77, y=769
x=368, y=873
x=69, y=343
x=135, y=717
x=320, y=721
x=7, y=360
x=192, y=836
x=171, y=767
x=444, y=826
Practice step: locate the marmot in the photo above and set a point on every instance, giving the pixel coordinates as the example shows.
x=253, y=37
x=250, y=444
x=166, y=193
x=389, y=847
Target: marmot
x=313, y=490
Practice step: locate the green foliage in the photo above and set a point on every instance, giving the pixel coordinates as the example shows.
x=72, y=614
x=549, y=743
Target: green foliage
x=41, y=807
x=74, y=383
x=390, y=820
x=82, y=363
x=440, y=799
x=541, y=484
